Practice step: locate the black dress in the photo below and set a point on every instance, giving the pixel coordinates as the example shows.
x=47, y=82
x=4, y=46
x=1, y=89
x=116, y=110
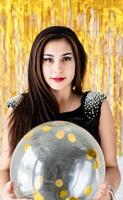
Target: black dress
x=87, y=115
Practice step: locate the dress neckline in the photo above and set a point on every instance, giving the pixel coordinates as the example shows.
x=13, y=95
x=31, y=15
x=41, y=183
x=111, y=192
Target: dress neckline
x=78, y=108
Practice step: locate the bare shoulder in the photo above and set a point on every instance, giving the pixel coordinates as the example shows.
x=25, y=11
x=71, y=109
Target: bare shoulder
x=106, y=123
x=106, y=113
x=105, y=104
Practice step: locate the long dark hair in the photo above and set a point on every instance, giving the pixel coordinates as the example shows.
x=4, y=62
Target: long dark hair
x=39, y=104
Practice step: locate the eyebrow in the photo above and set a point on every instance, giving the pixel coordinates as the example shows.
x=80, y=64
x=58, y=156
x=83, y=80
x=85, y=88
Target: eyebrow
x=65, y=54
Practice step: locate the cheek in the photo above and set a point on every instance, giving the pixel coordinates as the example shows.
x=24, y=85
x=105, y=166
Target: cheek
x=73, y=74
x=45, y=71
x=72, y=71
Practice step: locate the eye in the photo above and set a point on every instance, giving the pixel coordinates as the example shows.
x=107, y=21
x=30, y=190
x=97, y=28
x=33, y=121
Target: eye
x=50, y=60
x=66, y=58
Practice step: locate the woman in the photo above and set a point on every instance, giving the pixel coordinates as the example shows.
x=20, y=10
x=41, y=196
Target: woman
x=57, y=67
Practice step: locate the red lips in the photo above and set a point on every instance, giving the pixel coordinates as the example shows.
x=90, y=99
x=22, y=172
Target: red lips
x=57, y=79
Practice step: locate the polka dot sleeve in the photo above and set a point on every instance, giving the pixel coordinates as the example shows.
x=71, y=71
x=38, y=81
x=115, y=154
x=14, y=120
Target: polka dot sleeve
x=93, y=102
x=15, y=101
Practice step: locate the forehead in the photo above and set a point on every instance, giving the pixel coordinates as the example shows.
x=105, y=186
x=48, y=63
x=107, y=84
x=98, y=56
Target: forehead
x=58, y=45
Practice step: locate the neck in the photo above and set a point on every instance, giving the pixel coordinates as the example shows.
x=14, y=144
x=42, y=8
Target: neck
x=63, y=96
x=67, y=100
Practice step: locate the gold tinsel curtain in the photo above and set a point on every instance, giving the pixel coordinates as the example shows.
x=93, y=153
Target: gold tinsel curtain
x=99, y=25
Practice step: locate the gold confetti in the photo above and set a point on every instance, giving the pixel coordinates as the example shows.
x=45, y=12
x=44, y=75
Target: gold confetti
x=96, y=164
x=59, y=183
x=91, y=154
x=87, y=190
x=38, y=196
x=72, y=198
x=28, y=135
x=27, y=147
x=63, y=194
x=71, y=137
x=46, y=128
x=60, y=134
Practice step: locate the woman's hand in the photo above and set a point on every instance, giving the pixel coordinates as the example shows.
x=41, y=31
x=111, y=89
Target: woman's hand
x=9, y=194
x=103, y=193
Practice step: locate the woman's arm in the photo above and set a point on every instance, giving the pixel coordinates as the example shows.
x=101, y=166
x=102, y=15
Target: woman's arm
x=108, y=144
x=6, y=187
x=5, y=156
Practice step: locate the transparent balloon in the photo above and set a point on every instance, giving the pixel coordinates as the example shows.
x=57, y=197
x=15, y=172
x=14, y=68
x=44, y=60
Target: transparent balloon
x=57, y=160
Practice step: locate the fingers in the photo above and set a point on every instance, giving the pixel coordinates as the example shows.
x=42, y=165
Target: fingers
x=9, y=194
x=9, y=190
x=103, y=193
x=9, y=186
x=12, y=198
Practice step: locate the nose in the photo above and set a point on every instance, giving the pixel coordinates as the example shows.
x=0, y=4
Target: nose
x=58, y=68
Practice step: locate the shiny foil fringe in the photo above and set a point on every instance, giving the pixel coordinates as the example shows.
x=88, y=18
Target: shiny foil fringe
x=99, y=25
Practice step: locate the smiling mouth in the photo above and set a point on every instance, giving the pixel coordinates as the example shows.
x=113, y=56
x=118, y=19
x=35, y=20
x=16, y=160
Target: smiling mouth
x=57, y=79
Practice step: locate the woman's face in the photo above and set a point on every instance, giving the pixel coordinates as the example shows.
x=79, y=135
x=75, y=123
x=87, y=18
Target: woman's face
x=58, y=64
